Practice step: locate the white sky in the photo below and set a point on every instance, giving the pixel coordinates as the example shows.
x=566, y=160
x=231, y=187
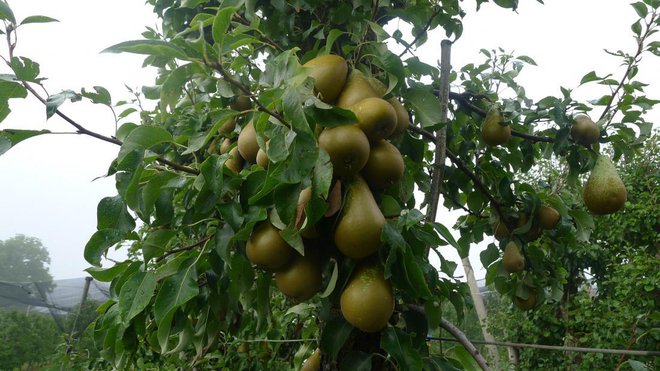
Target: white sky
x=46, y=187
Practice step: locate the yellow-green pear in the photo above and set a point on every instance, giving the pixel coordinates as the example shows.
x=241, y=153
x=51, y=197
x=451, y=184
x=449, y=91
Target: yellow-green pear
x=500, y=230
x=247, y=143
x=378, y=86
x=329, y=72
x=357, y=88
x=227, y=127
x=526, y=304
x=604, y=192
x=384, y=167
x=267, y=249
x=300, y=279
x=376, y=117
x=313, y=363
x=548, y=217
x=402, y=118
x=348, y=148
x=357, y=234
x=584, y=130
x=492, y=132
x=235, y=161
x=512, y=260
x=225, y=146
x=367, y=302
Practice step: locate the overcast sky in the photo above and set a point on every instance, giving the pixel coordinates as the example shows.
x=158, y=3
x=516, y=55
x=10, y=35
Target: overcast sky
x=47, y=187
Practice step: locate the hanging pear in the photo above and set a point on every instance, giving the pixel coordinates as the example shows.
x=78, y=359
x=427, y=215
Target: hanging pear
x=329, y=73
x=348, y=148
x=385, y=165
x=357, y=88
x=367, y=301
x=604, y=192
x=357, y=234
x=584, y=130
x=512, y=260
x=492, y=132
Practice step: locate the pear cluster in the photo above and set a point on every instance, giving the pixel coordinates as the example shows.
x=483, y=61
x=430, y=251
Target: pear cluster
x=364, y=162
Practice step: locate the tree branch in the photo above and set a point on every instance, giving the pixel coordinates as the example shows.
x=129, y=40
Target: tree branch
x=530, y=137
x=459, y=164
x=459, y=336
x=82, y=130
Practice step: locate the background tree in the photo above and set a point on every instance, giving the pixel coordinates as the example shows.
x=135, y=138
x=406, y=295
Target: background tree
x=610, y=300
x=24, y=259
x=246, y=71
x=27, y=339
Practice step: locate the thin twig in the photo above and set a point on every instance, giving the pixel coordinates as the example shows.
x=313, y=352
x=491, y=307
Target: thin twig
x=184, y=248
x=245, y=90
x=531, y=137
x=633, y=63
x=422, y=32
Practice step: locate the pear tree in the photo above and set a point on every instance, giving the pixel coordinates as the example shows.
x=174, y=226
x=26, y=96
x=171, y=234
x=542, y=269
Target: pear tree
x=279, y=200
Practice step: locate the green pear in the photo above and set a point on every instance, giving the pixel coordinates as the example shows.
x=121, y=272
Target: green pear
x=357, y=88
x=357, y=234
x=512, y=260
x=604, y=192
x=329, y=73
x=492, y=132
x=348, y=148
x=385, y=165
x=584, y=130
x=376, y=117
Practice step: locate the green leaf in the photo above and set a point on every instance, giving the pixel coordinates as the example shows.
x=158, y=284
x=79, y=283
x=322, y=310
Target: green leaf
x=399, y=345
x=527, y=60
x=108, y=274
x=333, y=280
x=462, y=248
x=6, y=13
x=38, y=19
x=11, y=137
x=637, y=365
x=112, y=213
x=433, y=309
x=591, y=76
x=156, y=242
x=143, y=137
x=175, y=291
x=11, y=89
x=136, y=294
x=100, y=95
x=56, y=100
x=156, y=48
x=640, y=8
x=426, y=106
x=489, y=255
x=99, y=243
x=637, y=28
x=459, y=353
x=221, y=24
x=25, y=69
x=335, y=333
x=584, y=223
x=172, y=88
